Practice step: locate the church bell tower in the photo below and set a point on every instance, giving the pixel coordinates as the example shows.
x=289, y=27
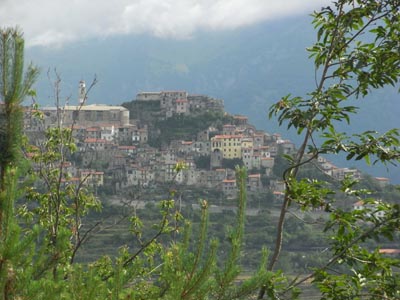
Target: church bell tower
x=82, y=92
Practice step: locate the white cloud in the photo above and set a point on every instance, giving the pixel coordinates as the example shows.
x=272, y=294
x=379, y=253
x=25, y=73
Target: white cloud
x=55, y=22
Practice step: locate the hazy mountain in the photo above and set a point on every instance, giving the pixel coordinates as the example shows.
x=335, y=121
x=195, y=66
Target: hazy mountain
x=249, y=68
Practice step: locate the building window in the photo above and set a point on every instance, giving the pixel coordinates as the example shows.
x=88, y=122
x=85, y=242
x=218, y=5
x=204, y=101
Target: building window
x=75, y=115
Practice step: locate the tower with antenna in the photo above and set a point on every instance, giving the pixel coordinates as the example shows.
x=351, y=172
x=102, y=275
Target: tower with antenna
x=82, y=92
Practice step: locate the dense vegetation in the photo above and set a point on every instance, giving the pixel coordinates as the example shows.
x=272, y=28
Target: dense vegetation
x=148, y=111
x=180, y=127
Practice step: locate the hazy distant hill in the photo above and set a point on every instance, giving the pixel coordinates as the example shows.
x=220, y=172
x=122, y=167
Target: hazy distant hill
x=256, y=62
x=248, y=68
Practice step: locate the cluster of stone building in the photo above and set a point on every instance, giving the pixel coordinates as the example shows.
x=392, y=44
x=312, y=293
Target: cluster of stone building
x=118, y=147
x=180, y=102
x=107, y=138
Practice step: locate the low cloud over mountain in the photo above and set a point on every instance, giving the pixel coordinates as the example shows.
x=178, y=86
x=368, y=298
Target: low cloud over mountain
x=56, y=22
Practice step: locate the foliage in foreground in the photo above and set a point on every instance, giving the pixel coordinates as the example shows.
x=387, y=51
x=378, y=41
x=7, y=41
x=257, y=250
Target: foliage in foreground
x=357, y=50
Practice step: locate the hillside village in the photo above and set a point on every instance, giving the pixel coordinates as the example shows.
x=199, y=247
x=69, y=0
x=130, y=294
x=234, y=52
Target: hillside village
x=114, y=151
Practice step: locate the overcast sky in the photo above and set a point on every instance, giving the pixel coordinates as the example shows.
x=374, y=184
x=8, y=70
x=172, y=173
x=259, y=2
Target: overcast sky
x=57, y=22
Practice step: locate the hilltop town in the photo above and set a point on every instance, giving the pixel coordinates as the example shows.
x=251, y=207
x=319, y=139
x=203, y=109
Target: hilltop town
x=116, y=145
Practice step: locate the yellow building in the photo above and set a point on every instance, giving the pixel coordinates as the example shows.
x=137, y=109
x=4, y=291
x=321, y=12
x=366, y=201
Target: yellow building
x=229, y=145
x=247, y=142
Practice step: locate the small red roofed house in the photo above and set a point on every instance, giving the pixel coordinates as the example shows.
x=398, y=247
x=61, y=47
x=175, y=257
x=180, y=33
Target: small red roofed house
x=278, y=196
x=97, y=144
x=254, y=182
x=240, y=119
x=93, y=133
x=229, y=188
x=182, y=106
x=382, y=181
x=127, y=149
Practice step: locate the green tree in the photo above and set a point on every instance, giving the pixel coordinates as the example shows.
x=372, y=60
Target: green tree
x=231, y=163
x=14, y=87
x=280, y=163
x=54, y=207
x=202, y=162
x=190, y=269
x=357, y=50
x=37, y=259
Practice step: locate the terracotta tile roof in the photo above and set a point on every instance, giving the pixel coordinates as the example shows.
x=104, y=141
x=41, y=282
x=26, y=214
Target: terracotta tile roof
x=93, y=140
x=126, y=147
x=382, y=179
x=88, y=172
x=93, y=129
x=254, y=175
x=278, y=193
x=227, y=136
x=72, y=179
x=359, y=203
x=228, y=180
x=389, y=251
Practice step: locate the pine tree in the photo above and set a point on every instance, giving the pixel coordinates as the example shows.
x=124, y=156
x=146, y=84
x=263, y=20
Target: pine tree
x=14, y=87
